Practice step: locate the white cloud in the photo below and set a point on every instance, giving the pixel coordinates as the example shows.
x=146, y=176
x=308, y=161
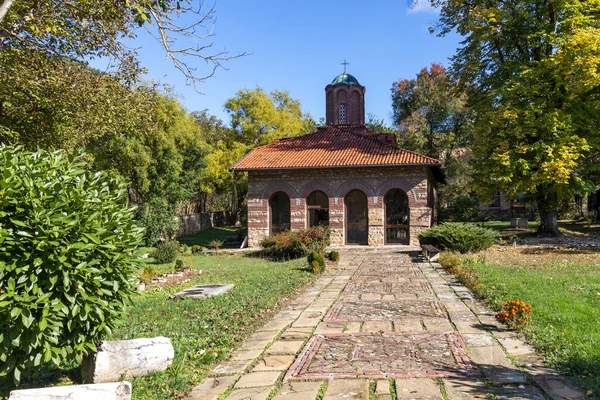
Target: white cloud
x=422, y=6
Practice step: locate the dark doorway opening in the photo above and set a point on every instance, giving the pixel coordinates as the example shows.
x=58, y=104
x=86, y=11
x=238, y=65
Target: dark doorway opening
x=396, y=217
x=357, y=218
x=317, y=204
x=280, y=212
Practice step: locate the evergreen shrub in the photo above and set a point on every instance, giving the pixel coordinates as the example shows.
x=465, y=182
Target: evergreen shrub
x=295, y=244
x=196, y=249
x=333, y=256
x=461, y=237
x=316, y=262
x=166, y=252
x=67, y=243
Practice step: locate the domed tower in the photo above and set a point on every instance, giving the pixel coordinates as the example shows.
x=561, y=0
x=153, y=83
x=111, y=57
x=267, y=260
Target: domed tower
x=345, y=101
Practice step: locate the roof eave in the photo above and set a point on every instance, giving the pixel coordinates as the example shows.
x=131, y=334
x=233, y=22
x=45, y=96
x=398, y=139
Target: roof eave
x=438, y=165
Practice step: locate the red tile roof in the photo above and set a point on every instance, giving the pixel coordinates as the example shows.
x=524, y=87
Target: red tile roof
x=329, y=147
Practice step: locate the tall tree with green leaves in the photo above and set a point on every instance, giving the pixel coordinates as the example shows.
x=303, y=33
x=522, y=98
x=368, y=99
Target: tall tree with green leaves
x=535, y=65
x=433, y=117
x=431, y=113
x=259, y=117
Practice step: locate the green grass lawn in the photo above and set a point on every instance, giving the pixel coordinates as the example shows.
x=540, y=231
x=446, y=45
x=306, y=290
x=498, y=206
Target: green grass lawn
x=232, y=237
x=202, y=331
x=564, y=290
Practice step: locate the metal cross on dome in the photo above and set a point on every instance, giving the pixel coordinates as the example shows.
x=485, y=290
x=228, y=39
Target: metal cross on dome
x=345, y=64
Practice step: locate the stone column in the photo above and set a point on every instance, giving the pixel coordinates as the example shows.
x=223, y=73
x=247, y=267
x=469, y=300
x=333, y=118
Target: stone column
x=376, y=221
x=336, y=220
x=258, y=220
x=298, y=213
x=420, y=220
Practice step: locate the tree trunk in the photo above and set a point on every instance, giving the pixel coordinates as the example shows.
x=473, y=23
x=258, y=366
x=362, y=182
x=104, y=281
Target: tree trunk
x=548, y=209
x=4, y=7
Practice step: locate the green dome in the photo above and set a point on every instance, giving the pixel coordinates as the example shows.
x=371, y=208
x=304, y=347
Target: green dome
x=346, y=79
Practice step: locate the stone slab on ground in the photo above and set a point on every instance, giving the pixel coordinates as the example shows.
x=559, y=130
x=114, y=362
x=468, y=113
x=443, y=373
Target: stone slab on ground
x=260, y=393
x=274, y=363
x=298, y=391
x=118, y=359
x=99, y=391
x=496, y=366
x=421, y=388
x=478, y=340
x=285, y=347
x=203, y=291
x=258, y=379
x=230, y=367
x=465, y=389
x=521, y=392
x=212, y=388
x=559, y=387
x=347, y=389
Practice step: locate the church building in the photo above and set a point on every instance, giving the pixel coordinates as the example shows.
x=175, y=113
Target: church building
x=363, y=186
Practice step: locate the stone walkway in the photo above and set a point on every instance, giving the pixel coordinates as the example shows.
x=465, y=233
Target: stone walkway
x=382, y=325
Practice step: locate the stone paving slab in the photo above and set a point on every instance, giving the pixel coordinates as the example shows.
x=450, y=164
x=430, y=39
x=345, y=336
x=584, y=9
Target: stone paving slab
x=258, y=379
x=347, y=389
x=261, y=393
x=298, y=391
x=274, y=363
x=212, y=388
x=418, y=389
x=465, y=389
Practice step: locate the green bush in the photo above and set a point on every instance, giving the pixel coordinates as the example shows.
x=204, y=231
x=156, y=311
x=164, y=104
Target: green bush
x=179, y=265
x=166, y=252
x=197, y=249
x=158, y=218
x=333, y=256
x=295, y=244
x=461, y=237
x=463, y=209
x=67, y=239
x=316, y=262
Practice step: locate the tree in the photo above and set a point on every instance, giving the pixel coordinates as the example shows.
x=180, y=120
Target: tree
x=83, y=29
x=534, y=64
x=431, y=113
x=260, y=117
x=433, y=117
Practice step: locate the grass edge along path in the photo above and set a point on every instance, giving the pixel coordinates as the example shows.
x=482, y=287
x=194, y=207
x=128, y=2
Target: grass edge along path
x=565, y=326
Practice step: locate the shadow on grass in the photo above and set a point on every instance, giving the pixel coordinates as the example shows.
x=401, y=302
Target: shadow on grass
x=39, y=377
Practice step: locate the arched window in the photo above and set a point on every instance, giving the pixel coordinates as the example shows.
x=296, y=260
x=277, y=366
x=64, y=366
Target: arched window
x=342, y=113
x=318, y=208
x=280, y=212
x=357, y=218
x=396, y=217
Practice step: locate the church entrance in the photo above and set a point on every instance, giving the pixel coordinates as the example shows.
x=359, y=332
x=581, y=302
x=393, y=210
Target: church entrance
x=396, y=217
x=357, y=218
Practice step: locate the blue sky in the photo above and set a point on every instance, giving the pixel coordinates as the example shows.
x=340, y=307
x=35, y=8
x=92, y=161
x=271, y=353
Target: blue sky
x=298, y=47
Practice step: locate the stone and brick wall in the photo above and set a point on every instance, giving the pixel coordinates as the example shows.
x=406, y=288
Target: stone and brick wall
x=416, y=182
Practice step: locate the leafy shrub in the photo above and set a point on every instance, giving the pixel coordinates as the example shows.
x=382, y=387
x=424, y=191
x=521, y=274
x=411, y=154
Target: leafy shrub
x=179, y=265
x=216, y=245
x=333, y=256
x=197, y=249
x=316, y=262
x=515, y=313
x=461, y=237
x=166, y=252
x=158, y=217
x=295, y=244
x=463, y=209
x=67, y=239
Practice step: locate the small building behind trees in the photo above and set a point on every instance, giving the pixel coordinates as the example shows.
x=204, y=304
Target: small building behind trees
x=363, y=186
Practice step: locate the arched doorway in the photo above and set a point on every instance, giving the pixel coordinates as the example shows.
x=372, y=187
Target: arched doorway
x=317, y=204
x=357, y=218
x=396, y=217
x=280, y=212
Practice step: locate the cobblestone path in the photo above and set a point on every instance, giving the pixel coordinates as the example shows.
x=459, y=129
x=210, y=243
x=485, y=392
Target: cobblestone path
x=383, y=325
